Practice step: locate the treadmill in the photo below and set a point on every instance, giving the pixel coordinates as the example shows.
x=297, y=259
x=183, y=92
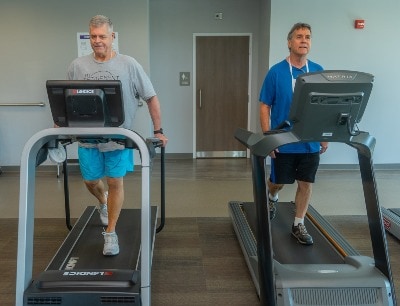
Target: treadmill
x=326, y=106
x=79, y=274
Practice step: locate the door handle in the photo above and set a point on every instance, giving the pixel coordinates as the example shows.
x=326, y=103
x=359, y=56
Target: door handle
x=200, y=101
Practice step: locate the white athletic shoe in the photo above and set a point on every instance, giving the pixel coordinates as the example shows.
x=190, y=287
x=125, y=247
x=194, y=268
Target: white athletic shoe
x=111, y=246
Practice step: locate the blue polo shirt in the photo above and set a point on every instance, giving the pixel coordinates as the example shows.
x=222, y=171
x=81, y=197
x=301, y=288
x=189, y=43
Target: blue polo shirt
x=277, y=93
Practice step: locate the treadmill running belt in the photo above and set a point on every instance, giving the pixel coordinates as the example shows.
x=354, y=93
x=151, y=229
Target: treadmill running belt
x=321, y=252
x=87, y=250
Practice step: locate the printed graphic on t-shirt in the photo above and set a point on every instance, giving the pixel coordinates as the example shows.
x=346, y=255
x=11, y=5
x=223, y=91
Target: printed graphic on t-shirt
x=101, y=75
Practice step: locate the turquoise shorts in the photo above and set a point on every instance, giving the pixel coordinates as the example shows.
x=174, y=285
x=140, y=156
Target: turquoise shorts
x=95, y=165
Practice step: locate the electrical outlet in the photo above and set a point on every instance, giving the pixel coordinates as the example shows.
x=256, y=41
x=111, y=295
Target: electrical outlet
x=218, y=16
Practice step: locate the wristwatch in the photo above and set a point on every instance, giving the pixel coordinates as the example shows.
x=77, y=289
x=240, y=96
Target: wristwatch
x=160, y=131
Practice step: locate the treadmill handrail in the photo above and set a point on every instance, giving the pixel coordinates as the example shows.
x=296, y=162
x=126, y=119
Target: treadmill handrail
x=262, y=144
x=27, y=202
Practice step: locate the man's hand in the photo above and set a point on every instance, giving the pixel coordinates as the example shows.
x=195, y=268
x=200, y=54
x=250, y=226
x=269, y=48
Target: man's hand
x=163, y=138
x=324, y=147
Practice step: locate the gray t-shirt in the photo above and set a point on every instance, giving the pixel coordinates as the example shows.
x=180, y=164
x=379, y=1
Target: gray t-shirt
x=135, y=82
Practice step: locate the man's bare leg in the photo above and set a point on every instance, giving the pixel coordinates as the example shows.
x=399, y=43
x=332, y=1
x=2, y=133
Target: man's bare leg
x=302, y=199
x=273, y=189
x=115, y=201
x=97, y=189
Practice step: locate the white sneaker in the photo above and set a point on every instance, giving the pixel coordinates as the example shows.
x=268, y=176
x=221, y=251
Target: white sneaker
x=103, y=211
x=111, y=246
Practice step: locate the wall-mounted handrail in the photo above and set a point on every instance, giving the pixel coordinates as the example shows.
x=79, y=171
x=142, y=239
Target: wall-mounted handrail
x=24, y=104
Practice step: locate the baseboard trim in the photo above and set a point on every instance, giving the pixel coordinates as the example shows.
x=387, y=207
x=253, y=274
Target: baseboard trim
x=356, y=167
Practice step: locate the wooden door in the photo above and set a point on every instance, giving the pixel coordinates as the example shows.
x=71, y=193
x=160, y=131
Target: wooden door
x=222, y=77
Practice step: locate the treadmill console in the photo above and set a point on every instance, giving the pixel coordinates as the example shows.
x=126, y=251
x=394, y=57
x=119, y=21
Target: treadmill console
x=327, y=105
x=86, y=103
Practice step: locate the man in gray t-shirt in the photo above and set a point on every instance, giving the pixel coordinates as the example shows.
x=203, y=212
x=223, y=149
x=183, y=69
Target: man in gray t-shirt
x=111, y=160
x=135, y=82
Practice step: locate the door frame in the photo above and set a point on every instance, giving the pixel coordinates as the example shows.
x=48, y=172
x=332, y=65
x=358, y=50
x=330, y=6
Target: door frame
x=195, y=35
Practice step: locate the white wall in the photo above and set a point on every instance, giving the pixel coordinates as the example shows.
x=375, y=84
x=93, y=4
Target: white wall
x=337, y=45
x=38, y=43
x=172, y=24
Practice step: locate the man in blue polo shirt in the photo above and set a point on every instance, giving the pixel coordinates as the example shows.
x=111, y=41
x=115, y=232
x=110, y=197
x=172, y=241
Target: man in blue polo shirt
x=291, y=162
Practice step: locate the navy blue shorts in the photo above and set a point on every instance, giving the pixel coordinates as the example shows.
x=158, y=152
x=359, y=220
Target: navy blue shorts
x=286, y=168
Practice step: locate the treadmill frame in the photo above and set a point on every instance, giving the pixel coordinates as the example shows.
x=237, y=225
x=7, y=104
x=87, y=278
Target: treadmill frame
x=27, y=202
x=260, y=146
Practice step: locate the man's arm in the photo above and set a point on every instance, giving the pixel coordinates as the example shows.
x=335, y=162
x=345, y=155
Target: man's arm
x=155, y=113
x=265, y=115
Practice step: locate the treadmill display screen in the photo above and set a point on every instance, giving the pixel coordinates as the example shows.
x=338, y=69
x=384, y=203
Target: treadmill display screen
x=86, y=103
x=327, y=105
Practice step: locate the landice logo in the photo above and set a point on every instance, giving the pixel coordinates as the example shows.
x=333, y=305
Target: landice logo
x=83, y=91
